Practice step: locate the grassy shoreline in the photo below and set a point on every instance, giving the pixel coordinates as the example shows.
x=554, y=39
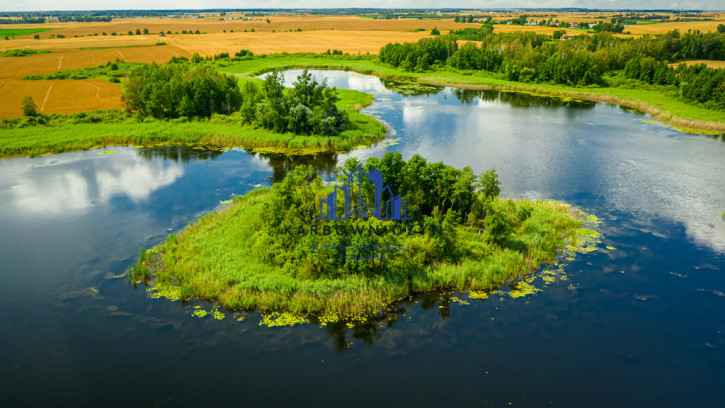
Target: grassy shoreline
x=267, y=253
x=204, y=262
x=216, y=132
x=672, y=111
x=37, y=140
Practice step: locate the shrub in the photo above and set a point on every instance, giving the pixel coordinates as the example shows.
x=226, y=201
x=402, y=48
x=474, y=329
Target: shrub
x=29, y=107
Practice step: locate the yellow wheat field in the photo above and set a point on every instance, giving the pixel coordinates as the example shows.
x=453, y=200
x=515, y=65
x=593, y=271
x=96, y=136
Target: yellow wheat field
x=351, y=34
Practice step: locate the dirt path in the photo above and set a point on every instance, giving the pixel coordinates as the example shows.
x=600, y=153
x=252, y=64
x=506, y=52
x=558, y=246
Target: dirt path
x=47, y=95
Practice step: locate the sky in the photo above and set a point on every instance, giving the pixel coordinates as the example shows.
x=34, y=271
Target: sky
x=37, y=5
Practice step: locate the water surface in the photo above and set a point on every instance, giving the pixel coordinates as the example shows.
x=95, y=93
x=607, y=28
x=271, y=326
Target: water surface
x=639, y=325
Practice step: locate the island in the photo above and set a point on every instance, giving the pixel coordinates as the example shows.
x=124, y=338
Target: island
x=349, y=248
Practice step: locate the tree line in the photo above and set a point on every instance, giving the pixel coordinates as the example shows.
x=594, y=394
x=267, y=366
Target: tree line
x=24, y=20
x=582, y=60
x=85, y=18
x=179, y=89
x=694, y=83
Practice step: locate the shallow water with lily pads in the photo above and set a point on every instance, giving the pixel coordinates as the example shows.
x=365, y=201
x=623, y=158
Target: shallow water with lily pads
x=637, y=322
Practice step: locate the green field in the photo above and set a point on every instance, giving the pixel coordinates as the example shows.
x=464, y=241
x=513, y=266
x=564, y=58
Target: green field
x=17, y=32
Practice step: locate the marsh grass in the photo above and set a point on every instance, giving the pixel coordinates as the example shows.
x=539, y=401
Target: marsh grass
x=214, y=259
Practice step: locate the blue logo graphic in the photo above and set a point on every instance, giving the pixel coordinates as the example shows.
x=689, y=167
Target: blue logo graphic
x=395, y=207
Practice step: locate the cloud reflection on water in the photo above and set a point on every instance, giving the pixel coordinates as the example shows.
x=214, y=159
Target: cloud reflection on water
x=62, y=185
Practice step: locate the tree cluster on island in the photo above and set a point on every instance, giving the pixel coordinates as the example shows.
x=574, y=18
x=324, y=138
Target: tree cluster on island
x=460, y=236
x=179, y=89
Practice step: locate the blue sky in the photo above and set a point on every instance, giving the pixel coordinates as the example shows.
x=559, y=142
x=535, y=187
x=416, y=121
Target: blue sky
x=23, y=5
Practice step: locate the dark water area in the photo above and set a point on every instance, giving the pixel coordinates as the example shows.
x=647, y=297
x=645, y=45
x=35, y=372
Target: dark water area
x=641, y=324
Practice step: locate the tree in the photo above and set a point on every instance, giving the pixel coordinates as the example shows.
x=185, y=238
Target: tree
x=308, y=108
x=489, y=185
x=138, y=31
x=500, y=227
x=435, y=31
x=721, y=28
x=37, y=36
x=176, y=89
x=145, y=30
x=29, y=108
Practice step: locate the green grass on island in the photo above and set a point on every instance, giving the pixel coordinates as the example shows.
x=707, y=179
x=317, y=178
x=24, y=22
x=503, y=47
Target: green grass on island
x=267, y=253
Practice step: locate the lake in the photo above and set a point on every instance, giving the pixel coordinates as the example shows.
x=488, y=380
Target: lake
x=640, y=324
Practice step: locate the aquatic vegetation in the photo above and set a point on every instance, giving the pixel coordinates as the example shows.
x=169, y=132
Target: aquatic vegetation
x=455, y=299
x=477, y=294
x=170, y=292
x=389, y=142
x=522, y=289
x=411, y=88
x=218, y=315
x=584, y=240
x=695, y=131
x=330, y=318
x=684, y=129
x=215, y=313
x=107, y=152
x=548, y=276
x=350, y=321
x=276, y=319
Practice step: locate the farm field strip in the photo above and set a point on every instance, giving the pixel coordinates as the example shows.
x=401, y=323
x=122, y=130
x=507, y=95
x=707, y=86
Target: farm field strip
x=351, y=34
